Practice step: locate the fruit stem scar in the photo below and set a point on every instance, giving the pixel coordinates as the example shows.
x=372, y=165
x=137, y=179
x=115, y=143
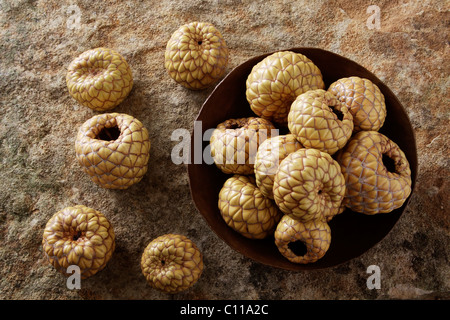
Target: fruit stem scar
x=76, y=236
x=109, y=134
x=389, y=163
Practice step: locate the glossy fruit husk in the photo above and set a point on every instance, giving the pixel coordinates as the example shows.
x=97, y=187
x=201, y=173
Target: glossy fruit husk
x=79, y=236
x=276, y=81
x=314, y=121
x=172, y=263
x=364, y=100
x=372, y=187
x=196, y=55
x=113, y=149
x=309, y=185
x=245, y=209
x=268, y=157
x=99, y=79
x=314, y=234
x=234, y=143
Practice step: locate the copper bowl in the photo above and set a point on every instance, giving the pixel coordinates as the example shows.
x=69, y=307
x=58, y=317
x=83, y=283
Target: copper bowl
x=352, y=233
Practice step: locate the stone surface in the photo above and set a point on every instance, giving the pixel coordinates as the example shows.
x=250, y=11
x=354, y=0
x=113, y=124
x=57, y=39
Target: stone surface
x=39, y=120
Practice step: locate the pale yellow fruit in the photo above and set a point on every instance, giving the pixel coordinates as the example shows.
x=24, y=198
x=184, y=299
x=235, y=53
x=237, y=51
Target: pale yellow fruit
x=99, y=79
x=315, y=236
x=196, y=55
x=372, y=185
x=246, y=210
x=309, y=185
x=113, y=149
x=269, y=155
x=172, y=263
x=364, y=100
x=320, y=121
x=276, y=81
x=78, y=236
x=234, y=143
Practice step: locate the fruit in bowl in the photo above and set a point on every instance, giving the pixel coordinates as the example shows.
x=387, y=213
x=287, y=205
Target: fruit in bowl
x=351, y=232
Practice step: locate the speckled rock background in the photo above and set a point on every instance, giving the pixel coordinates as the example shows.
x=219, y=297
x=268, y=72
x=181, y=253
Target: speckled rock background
x=39, y=120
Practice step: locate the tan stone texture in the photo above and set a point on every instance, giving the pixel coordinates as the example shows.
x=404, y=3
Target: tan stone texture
x=39, y=121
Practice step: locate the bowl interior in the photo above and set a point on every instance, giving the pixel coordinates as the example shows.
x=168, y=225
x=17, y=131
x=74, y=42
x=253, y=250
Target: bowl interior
x=352, y=233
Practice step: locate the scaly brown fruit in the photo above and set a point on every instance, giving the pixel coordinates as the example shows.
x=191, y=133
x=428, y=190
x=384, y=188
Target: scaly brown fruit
x=320, y=121
x=309, y=185
x=196, y=55
x=79, y=236
x=377, y=173
x=268, y=157
x=234, y=143
x=275, y=82
x=113, y=149
x=172, y=263
x=364, y=100
x=99, y=79
x=314, y=235
x=245, y=209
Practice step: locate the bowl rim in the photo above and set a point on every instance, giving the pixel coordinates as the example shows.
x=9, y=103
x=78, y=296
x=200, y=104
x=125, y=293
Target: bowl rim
x=383, y=87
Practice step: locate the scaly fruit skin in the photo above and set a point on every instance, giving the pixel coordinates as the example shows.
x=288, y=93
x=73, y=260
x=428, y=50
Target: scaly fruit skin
x=172, y=263
x=275, y=82
x=268, y=157
x=315, y=235
x=196, y=55
x=79, y=236
x=370, y=187
x=364, y=100
x=314, y=123
x=99, y=79
x=234, y=143
x=245, y=209
x=117, y=162
x=309, y=185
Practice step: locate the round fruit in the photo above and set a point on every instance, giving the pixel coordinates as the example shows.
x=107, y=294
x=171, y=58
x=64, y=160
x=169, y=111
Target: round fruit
x=275, y=82
x=245, y=209
x=234, y=143
x=320, y=121
x=302, y=242
x=309, y=185
x=377, y=173
x=172, y=263
x=99, y=79
x=196, y=55
x=79, y=236
x=113, y=149
x=269, y=155
x=364, y=100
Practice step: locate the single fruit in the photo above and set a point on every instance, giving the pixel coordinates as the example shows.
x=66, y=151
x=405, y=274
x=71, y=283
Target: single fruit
x=364, y=100
x=79, y=236
x=320, y=121
x=302, y=242
x=268, y=157
x=309, y=185
x=196, y=55
x=275, y=82
x=113, y=149
x=234, y=143
x=377, y=173
x=172, y=263
x=246, y=210
x=99, y=79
